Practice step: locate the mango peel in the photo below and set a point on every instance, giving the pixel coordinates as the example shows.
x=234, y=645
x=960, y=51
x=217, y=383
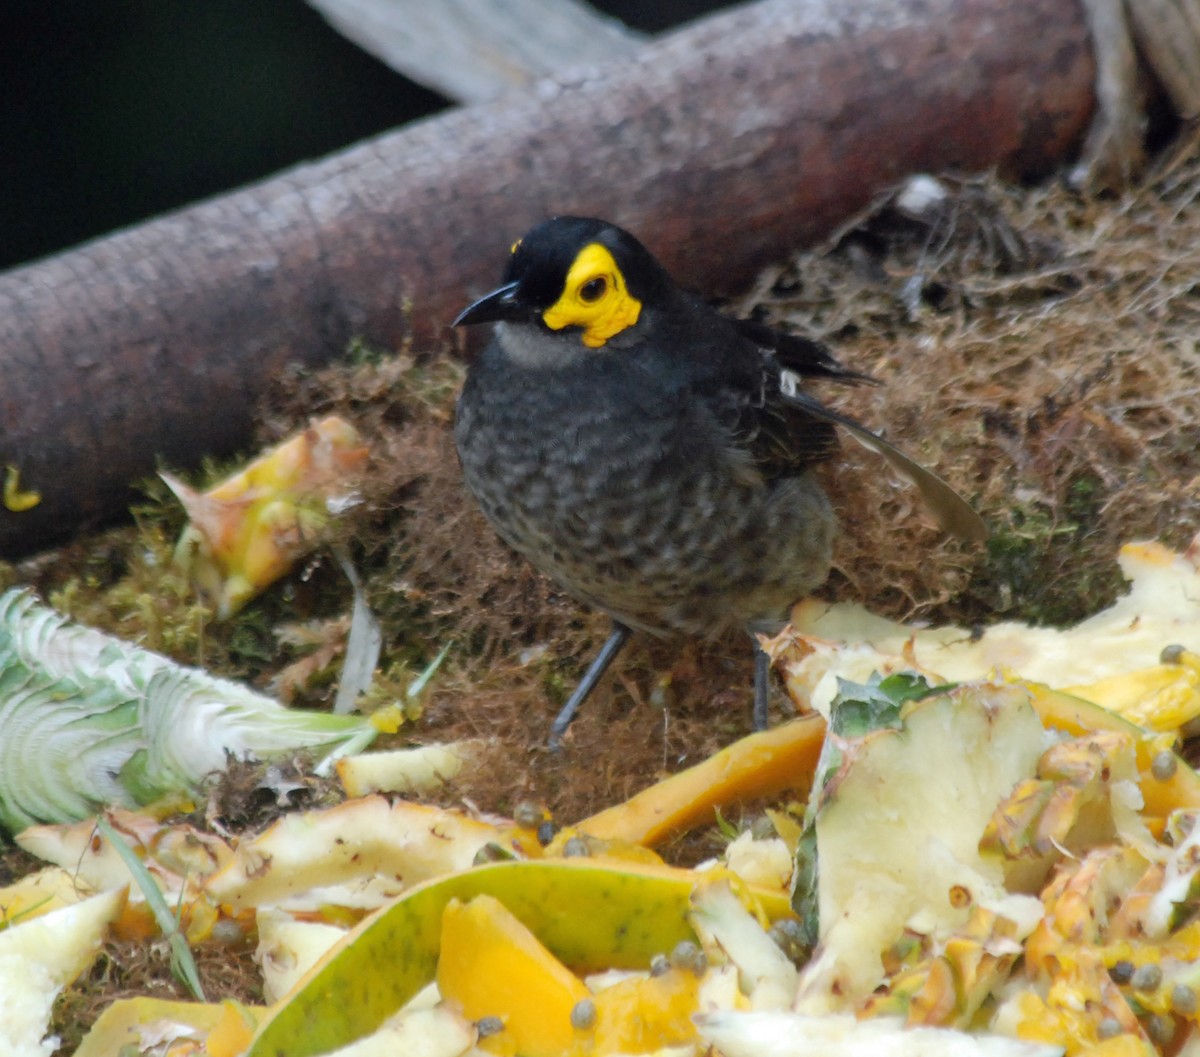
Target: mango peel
x=589, y=915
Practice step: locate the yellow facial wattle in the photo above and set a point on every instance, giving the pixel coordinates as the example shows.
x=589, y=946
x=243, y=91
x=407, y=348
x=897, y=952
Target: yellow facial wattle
x=594, y=298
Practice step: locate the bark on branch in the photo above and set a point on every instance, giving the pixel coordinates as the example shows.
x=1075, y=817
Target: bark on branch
x=723, y=146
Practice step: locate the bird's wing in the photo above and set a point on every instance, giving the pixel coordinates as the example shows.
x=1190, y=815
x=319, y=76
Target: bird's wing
x=805, y=356
x=952, y=512
x=784, y=430
x=782, y=438
x=777, y=438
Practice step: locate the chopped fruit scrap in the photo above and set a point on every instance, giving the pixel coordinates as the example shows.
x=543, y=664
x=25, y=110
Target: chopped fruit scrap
x=1115, y=658
x=248, y=531
x=995, y=867
x=897, y=824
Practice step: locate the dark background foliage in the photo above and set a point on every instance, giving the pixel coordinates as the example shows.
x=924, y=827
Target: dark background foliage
x=112, y=111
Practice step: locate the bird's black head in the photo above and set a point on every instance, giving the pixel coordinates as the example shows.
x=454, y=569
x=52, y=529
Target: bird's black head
x=574, y=272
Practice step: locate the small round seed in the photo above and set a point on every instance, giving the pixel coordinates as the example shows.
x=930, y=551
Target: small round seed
x=491, y=852
x=528, y=815
x=486, y=1026
x=1146, y=977
x=1164, y=765
x=1184, y=1001
x=1122, y=972
x=689, y=957
x=663, y=694
x=762, y=828
x=683, y=954
x=228, y=933
x=545, y=831
x=575, y=848
x=1108, y=1028
x=659, y=965
x=583, y=1014
x=1161, y=1029
x=1172, y=654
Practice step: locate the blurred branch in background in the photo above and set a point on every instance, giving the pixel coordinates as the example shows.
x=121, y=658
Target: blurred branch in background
x=475, y=50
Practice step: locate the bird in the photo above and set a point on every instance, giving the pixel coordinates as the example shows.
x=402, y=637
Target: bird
x=651, y=455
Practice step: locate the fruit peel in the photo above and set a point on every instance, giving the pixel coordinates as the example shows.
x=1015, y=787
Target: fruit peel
x=590, y=915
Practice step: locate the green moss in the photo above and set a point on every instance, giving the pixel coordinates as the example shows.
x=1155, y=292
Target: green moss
x=1047, y=570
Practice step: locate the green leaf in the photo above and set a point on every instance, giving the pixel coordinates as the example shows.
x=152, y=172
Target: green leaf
x=804, y=885
x=91, y=721
x=860, y=708
x=183, y=965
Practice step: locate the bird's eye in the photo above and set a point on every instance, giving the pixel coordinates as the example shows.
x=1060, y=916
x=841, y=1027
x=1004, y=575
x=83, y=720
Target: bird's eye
x=593, y=289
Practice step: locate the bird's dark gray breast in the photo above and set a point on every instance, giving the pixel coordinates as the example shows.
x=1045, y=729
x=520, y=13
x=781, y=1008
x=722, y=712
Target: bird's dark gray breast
x=615, y=479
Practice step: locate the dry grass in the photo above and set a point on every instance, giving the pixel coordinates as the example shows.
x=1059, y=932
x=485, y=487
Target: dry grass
x=1040, y=350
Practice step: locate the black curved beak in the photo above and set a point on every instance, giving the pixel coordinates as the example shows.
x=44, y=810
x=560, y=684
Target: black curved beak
x=500, y=304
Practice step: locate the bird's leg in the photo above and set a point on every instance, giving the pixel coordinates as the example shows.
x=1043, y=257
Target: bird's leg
x=762, y=685
x=612, y=646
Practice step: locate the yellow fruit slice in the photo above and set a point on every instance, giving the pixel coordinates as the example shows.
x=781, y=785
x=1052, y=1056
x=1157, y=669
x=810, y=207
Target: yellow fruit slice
x=1073, y=714
x=232, y=1032
x=1161, y=697
x=39, y=893
x=493, y=966
x=646, y=1014
x=762, y=764
x=250, y=529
